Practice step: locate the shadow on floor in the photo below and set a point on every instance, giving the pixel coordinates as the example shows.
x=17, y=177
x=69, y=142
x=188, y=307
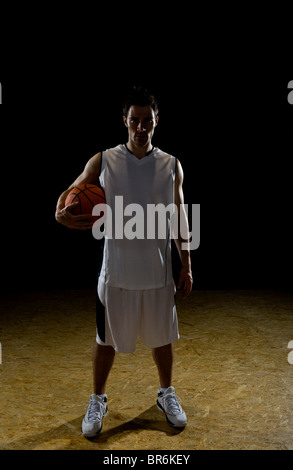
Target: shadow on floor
x=68, y=435
x=148, y=420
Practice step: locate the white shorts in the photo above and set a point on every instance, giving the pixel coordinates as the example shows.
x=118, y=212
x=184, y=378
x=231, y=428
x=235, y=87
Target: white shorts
x=124, y=315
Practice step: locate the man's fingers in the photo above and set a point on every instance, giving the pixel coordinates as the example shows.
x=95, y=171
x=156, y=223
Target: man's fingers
x=185, y=283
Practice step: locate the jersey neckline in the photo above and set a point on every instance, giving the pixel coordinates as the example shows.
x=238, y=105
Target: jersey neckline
x=146, y=155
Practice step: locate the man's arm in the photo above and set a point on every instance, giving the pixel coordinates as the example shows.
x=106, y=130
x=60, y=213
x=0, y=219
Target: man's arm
x=185, y=280
x=64, y=214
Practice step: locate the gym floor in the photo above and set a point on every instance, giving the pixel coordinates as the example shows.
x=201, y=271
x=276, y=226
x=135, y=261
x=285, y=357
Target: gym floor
x=231, y=372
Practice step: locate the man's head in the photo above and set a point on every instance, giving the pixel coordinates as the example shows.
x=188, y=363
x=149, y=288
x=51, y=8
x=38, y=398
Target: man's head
x=140, y=96
x=140, y=116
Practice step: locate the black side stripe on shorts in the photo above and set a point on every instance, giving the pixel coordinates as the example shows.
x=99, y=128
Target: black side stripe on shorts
x=100, y=319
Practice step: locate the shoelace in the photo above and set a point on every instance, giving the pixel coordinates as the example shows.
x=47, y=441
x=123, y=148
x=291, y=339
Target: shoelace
x=172, y=402
x=95, y=411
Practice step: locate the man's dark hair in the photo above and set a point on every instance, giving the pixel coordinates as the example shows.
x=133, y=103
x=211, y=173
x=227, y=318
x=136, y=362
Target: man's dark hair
x=140, y=96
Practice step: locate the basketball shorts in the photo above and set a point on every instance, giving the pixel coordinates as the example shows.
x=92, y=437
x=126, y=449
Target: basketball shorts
x=125, y=315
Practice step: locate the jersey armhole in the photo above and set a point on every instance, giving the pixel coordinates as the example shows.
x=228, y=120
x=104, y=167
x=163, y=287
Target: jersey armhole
x=175, y=166
x=102, y=168
x=103, y=161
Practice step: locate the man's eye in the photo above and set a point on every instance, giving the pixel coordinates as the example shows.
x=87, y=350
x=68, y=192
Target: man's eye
x=147, y=121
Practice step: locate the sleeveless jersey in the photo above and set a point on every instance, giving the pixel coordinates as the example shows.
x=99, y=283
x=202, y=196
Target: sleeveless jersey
x=140, y=262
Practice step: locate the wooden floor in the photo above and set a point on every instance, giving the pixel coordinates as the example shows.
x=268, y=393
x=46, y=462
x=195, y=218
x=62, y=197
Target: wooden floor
x=231, y=372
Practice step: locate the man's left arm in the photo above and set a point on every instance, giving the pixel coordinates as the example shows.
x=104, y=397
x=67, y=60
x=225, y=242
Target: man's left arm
x=185, y=279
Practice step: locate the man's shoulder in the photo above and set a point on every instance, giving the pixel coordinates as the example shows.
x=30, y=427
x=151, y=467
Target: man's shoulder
x=120, y=148
x=160, y=153
x=114, y=152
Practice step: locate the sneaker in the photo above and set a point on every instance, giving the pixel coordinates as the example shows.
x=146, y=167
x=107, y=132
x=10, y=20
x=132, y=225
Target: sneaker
x=97, y=410
x=168, y=403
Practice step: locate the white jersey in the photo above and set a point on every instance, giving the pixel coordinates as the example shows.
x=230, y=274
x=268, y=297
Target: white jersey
x=138, y=263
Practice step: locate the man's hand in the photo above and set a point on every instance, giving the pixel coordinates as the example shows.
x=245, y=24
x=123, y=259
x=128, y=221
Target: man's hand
x=185, y=281
x=67, y=218
x=64, y=215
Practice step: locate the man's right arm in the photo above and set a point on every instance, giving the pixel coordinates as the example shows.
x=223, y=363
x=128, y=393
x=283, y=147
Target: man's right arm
x=64, y=214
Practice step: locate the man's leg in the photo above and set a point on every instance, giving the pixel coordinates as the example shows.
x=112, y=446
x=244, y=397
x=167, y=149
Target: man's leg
x=163, y=358
x=103, y=359
x=167, y=400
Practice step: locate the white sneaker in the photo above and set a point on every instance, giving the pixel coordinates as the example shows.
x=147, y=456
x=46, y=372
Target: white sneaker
x=168, y=403
x=93, y=420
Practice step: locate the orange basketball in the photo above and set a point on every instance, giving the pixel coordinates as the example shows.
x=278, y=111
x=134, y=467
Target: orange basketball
x=88, y=196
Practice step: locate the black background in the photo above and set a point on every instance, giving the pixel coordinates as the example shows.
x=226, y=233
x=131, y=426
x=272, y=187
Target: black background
x=223, y=112
x=221, y=79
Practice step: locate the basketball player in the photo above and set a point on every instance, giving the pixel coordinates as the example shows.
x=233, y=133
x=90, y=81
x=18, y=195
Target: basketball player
x=135, y=287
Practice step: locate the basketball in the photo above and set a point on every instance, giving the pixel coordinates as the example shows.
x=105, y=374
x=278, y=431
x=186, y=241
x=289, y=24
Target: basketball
x=88, y=196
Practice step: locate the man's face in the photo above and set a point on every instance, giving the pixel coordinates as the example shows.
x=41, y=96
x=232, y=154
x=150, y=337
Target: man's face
x=141, y=122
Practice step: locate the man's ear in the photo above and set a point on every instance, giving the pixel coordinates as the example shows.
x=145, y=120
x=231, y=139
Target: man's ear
x=125, y=120
x=156, y=120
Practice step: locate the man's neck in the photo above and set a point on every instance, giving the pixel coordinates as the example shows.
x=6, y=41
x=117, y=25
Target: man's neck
x=139, y=152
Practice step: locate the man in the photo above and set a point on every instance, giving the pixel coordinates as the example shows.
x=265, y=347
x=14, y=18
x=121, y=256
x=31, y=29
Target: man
x=136, y=287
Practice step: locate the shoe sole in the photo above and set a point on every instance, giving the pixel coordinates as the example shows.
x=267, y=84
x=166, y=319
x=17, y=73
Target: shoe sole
x=94, y=435
x=169, y=422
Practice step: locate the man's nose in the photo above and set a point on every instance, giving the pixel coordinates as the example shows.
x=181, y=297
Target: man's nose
x=140, y=126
